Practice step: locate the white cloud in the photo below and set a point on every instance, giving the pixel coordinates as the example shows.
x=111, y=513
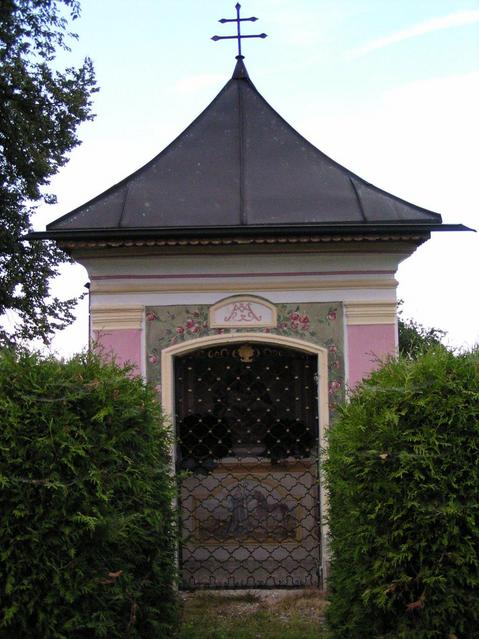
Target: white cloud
x=458, y=19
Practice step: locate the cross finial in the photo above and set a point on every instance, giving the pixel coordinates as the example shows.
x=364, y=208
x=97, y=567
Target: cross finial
x=238, y=35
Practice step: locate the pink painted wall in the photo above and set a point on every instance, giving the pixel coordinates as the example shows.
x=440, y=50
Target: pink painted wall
x=366, y=345
x=124, y=344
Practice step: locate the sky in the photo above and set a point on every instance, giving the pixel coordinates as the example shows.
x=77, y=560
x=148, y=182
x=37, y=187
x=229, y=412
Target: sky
x=388, y=89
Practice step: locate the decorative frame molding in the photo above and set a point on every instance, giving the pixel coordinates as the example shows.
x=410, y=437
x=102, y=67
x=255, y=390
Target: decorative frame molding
x=245, y=302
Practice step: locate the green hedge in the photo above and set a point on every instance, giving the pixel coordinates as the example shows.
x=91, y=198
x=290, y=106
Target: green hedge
x=87, y=532
x=403, y=475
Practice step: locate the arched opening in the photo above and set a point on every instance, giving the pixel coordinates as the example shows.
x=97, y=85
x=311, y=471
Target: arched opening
x=249, y=416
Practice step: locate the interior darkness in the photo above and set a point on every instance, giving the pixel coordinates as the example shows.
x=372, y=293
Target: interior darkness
x=245, y=400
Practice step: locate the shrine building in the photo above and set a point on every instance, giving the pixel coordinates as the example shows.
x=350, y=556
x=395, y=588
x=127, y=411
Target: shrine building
x=251, y=279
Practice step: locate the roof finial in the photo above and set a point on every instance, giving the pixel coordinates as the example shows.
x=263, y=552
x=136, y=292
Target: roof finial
x=238, y=35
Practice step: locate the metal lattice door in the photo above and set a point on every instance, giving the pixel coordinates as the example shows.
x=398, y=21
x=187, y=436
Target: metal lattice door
x=247, y=427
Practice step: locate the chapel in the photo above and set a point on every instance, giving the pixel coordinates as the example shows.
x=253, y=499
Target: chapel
x=251, y=279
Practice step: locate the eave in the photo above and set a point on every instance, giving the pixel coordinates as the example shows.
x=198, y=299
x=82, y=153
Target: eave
x=342, y=231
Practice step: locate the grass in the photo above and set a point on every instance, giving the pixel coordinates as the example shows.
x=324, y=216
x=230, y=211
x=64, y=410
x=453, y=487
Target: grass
x=252, y=616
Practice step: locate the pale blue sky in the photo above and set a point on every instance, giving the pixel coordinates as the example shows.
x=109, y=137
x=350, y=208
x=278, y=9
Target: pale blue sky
x=389, y=88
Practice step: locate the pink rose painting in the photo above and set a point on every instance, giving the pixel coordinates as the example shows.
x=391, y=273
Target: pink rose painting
x=334, y=386
x=304, y=321
x=299, y=321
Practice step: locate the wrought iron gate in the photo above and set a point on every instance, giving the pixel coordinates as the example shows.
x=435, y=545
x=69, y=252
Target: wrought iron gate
x=247, y=428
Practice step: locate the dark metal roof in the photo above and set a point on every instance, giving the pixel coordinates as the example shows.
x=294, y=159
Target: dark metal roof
x=240, y=166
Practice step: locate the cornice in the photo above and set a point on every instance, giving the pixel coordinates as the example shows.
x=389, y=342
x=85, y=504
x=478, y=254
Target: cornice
x=240, y=286
x=360, y=313
x=116, y=317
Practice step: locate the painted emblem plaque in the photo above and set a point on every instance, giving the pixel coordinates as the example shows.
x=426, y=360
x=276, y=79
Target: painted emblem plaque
x=242, y=312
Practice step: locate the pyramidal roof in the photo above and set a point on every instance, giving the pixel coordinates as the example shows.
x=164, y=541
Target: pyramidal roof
x=240, y=167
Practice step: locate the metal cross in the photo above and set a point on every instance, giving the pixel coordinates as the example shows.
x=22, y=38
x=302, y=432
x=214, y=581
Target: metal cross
x=238, y=35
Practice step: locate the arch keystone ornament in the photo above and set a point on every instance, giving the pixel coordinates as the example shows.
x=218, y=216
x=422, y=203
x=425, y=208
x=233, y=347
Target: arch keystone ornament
x=243, y=312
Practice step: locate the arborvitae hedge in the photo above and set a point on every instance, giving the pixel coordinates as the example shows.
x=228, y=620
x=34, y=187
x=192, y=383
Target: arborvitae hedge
x=86, y=529
x=403, y=476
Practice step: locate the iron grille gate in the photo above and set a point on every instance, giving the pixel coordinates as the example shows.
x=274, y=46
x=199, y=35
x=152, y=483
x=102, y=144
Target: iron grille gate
x=247, y=427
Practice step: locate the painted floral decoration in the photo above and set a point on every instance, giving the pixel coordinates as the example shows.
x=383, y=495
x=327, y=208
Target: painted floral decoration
x=318, y=323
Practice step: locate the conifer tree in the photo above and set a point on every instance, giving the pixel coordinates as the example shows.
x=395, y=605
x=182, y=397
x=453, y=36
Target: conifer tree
x=414, y=338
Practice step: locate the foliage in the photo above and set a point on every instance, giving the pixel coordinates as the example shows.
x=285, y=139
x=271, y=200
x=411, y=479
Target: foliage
x=414, y=338
x=86, y=534
x=40, y=111
x=403, y=476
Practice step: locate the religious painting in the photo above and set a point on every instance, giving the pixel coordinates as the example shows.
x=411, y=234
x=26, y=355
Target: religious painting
x=250, y=527
x=246, y=510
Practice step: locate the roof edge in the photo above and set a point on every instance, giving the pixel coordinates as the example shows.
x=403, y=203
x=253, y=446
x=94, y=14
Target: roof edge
x=297, y=230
